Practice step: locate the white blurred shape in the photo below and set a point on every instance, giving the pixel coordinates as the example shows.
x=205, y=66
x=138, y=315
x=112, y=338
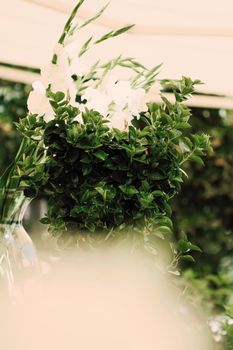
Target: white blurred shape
x=102, y=301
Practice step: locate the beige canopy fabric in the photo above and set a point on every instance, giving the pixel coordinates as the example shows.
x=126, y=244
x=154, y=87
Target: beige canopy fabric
x=194, y=39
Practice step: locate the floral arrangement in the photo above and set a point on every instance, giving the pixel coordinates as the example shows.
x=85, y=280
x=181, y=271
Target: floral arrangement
x=105, y=154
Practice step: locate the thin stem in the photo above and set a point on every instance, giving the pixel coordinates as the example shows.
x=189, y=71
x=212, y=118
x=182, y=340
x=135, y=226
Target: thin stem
x=67, y=27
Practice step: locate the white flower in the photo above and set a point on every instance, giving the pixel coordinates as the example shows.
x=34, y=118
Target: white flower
x=137, y=102
x=78, y=67
x=38, y=102
x=76, y=64
x=97, y=100
x=56, y=76
x=125, y=97
x=120, y=120
x=217, y=325
x=117, y=101
x=59, y=75
x=71, y=50
x=119, y=91
x=113, y=99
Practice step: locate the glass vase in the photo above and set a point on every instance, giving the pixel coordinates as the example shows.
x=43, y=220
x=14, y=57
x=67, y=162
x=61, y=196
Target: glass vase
x=17, y=252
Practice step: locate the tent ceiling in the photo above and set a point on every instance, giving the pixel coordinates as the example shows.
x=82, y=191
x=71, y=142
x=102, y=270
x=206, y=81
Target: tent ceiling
x=153, y=17
x=195, y=40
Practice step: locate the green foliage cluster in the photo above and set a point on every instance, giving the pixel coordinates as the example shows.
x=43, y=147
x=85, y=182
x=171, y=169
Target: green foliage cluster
x=13, y=105
x=214, y=292
x=122, y=177
x=211, y=229
x=101, y=178
x=205, y=215
x=229, y=338
x=25, y=174
x=204, y=208
x=29, y=164
x=204, y=211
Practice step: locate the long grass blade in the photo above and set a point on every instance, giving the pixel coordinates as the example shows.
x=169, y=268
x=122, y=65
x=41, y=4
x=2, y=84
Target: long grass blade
x=92, y=19
x=68, y=24
x=114, y=33
x=85, y=46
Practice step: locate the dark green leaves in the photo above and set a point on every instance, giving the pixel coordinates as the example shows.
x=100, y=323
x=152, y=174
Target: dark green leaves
x=86, y=169
x=101, y=155
x=128, y=189
x=185, y=246
x=59, y=96
x=101, y=177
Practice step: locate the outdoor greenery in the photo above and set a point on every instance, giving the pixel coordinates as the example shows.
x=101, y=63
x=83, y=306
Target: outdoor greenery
x=210, y=277
x=101, y=178
x=204, y=211
x=104, y=156
x=13, y=105
x=111, y=164
x=204, y=208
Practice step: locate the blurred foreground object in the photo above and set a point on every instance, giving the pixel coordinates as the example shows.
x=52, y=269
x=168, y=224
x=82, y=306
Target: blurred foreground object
x=102, y=301
x=17, y=251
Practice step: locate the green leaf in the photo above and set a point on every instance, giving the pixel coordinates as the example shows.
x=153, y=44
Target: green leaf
x=164, y=229
x=86, y=169
x=128, y=189
x=101, y=191
x=229, y=310
x=5, y=177
x=168, y=104
x=158, y=193
x=101, y=155
x=67, y=27
x=183, y=125
x=92, y=19
x=188, y=258
x=85, y=46
x=44, y=220
x=114, y=33
x=168, y=209
x=59, y=96
x=184, y=245
x=194, y=247
x=90, y=226
x=196, y=159
x=147, y=200
x=86, y=159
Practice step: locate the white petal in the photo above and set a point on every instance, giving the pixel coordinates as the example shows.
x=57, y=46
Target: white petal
x=38, y=102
